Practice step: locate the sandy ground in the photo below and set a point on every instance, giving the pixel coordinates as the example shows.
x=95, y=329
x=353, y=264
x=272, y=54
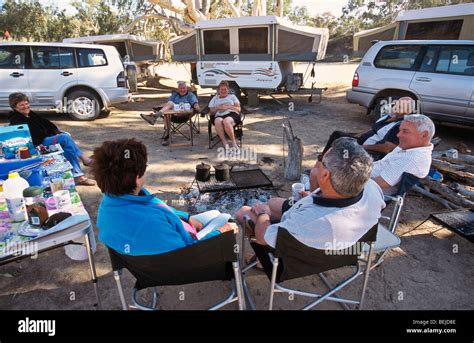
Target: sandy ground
x=431, y=270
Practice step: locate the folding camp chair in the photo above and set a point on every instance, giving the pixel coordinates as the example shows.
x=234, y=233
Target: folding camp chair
x=238, y=128
x=387, y=237
x=179, y=122
x=292, y=259
x=208, y=260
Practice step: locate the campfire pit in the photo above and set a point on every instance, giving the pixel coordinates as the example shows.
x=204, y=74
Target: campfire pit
x=239, y=179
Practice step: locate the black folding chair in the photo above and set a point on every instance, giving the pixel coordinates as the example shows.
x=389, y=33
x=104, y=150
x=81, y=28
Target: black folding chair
x=208, y=260
x=238, y=128
x=178, y=122
x=292, y=259
x=387, y=237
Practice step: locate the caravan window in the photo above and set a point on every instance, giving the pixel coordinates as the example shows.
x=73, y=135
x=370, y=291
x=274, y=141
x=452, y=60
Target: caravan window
x=253, y=40
x=449, y=29
x=216, y=42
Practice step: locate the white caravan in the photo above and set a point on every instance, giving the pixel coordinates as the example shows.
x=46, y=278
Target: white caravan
x=255, y=54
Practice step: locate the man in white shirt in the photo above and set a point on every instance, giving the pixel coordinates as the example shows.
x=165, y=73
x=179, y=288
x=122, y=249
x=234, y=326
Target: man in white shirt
x=412, y=155
x=344, y=207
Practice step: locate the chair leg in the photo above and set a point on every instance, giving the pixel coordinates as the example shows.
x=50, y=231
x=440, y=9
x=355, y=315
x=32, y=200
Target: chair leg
x=272, y=282
x=367, y=272
x=92, y=268
x=155, y=298
x=209, y=131
x=239, y=286
x=117, y=275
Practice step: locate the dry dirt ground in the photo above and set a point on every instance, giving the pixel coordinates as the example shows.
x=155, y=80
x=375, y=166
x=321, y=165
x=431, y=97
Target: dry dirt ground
x=431, y=270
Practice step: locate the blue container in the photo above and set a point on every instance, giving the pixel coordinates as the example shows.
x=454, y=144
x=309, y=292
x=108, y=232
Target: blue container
x=36, y=177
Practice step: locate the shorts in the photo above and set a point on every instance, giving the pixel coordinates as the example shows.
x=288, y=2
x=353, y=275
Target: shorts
x=236, y=116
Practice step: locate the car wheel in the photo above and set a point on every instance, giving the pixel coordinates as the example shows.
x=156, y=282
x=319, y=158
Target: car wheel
x=83, y=105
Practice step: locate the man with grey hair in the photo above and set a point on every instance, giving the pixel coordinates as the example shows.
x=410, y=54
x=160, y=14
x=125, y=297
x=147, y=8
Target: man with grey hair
x=343, y=205
x=412, y=155
x=382, y=136
x=182, y=96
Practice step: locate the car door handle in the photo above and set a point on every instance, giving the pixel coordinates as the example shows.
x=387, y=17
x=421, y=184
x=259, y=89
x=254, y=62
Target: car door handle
x=66, y=73
x=16, y=74
x=423, y=79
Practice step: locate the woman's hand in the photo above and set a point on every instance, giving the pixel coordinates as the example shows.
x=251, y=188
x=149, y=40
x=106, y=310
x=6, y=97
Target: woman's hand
x=229, y=227
x=195, y=223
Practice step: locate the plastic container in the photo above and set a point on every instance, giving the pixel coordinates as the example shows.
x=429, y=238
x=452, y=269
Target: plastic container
x=13, y=192
x=34, y=179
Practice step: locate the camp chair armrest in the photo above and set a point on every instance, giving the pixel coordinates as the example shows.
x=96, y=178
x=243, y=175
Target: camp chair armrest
x=389, y=198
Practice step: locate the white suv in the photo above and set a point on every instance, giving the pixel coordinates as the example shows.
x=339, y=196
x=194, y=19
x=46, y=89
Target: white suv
x=438, y=73
x=79, y=79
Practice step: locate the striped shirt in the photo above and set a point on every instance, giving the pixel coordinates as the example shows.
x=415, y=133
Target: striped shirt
x=416, y=161
x=332, y=224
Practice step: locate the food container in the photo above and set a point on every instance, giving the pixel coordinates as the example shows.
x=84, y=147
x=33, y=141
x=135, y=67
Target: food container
x=203, y=172
x=222, y=172
x=35, y=206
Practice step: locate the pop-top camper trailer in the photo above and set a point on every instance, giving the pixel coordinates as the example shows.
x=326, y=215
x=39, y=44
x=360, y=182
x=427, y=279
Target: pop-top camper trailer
x=136, y=52
x=255, y=54
x=453, y=22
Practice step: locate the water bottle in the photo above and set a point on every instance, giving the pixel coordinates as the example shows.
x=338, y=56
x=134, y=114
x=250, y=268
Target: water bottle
x=13, y=192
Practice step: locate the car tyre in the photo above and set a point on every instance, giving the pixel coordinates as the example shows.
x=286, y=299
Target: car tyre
x=83, y=105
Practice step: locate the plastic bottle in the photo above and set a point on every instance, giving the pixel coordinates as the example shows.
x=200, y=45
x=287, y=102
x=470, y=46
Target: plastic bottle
x=13, y=192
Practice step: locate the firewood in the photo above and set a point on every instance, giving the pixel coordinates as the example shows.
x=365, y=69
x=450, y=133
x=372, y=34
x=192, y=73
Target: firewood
x=462, y=190
x=462, y=158
x=293, y=163
x=452, y=171
x=449, y=205
x=447, y=193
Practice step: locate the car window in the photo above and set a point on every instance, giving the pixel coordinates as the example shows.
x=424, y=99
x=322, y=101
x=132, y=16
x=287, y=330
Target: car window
x=45, y=57
x=66, y=58
x=456, y=60
x=12, y=57
x=91, y=57
x=397, y=57
x=429, y=60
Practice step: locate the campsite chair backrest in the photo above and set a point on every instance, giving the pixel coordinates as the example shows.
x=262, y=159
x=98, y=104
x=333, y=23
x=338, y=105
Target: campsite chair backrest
x=208, y=260
x=297, y=259
x=406, y=183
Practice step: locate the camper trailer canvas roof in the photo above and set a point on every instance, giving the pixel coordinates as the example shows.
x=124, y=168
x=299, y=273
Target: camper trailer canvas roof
x=437, y=12
x=109, y=38
x=256, y=20
x=292, y=42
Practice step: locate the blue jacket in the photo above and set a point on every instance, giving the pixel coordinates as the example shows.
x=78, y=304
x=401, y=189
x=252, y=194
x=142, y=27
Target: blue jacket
x=136, y=225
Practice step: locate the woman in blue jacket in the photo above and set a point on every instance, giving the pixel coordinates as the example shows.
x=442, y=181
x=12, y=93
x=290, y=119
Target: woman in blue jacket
x=131, y=220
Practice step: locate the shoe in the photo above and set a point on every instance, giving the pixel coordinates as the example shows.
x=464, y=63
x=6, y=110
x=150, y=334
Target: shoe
x=166, y=136
x=165, y=142
x=88, y=164
x=149, y=118
x=84, y=182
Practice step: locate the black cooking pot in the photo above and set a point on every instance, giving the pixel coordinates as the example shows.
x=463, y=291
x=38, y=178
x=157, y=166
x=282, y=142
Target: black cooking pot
x=203, y=172
x=222, y=172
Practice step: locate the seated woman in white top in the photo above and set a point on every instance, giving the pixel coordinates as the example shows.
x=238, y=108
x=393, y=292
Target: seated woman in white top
x=226, y=110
